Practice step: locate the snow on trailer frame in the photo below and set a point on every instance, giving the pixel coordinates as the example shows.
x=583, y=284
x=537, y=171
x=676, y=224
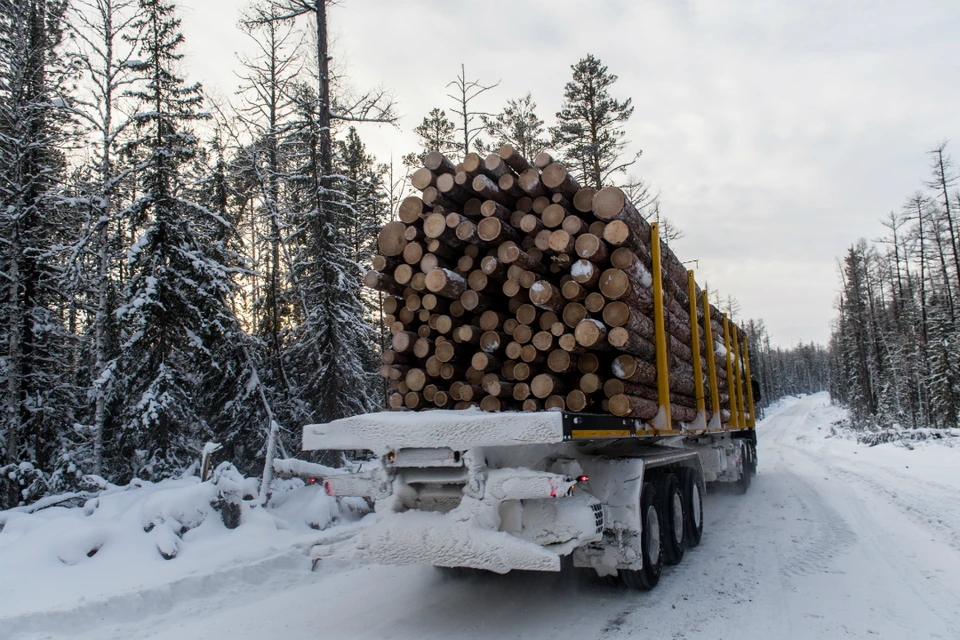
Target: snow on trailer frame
x=506, y=491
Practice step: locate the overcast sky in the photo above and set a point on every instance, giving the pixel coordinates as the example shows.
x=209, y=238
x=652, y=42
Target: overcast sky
x=778, y=132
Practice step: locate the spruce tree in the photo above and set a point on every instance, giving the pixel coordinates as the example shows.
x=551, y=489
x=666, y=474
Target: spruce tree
x=519, y=126
x=435, y=133
x=36, y=363
x=175, y=305
x=588, y=130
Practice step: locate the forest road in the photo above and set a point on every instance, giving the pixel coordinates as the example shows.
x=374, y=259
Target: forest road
x=822, y=546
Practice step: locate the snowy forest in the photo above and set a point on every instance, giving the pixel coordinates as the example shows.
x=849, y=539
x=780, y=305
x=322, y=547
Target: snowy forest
x=177, y=271
x=895, y=348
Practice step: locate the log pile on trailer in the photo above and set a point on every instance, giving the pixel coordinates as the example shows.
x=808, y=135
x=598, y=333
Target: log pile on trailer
x=510, y=287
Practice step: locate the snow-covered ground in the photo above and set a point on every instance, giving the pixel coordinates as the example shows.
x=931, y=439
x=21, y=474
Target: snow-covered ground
x=833, y=540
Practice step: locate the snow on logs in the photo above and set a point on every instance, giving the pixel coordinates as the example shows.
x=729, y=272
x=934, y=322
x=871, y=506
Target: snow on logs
x=509, y=286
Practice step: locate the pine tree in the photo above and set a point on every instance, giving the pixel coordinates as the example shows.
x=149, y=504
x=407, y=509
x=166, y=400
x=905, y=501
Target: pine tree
x=436, y=133
x=588, y=125
x=519, y=126
x=36, y=363
x=175, y=305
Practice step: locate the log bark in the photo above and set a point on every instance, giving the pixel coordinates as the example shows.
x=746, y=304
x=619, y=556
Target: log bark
x=383, y=282
x=513, y=159
x=391, y=241
x=547, y=296
x=446, y=283
x=438, y=163
x=556, y=178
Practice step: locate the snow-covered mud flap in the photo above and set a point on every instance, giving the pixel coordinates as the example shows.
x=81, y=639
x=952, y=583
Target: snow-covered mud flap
x=441, y=540
x=493, y=519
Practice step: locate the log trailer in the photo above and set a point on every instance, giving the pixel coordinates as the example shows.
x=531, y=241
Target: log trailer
x=616, y=485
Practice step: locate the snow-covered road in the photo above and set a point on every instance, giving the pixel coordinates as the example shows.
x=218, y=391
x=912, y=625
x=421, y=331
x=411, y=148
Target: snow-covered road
x=832, y=540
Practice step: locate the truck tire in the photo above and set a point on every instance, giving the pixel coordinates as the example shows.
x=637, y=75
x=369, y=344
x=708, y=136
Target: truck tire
x=672, y=527
x=650, y=548
x=743, y=484
x=753, y=458
x=693, y=504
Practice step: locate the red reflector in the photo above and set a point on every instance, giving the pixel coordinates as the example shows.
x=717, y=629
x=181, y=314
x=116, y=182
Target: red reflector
x=313, y=480
x=582, y=478
x=328, y=487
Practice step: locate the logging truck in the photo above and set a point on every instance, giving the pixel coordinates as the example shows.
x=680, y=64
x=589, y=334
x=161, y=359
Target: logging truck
x=582, y=389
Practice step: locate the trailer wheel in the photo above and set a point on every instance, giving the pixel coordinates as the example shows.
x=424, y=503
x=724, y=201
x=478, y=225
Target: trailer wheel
x=650, y=547
x=745, y=476
x=693, y=503
x=753, y=458
x=672, y=525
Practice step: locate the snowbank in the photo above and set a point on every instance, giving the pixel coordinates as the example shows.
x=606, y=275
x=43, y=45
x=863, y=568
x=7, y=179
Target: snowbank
x=147, y=535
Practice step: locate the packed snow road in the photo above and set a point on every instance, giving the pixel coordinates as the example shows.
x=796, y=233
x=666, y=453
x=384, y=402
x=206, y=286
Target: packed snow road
x=833, y=540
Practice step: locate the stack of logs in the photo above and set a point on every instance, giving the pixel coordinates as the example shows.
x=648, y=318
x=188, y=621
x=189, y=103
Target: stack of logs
x=509, y=287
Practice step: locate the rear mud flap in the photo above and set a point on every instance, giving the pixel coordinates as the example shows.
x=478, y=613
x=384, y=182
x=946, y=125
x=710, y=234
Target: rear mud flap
x=440, y=540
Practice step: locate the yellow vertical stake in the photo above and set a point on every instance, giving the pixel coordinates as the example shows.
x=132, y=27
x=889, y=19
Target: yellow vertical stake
x=659, y=328
x=737, y=371
x=731, y=385
x=752, y=418
x=711, y=361
x=695, y=332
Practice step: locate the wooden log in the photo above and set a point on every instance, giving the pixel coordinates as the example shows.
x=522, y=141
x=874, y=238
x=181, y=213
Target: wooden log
x=524, y=204
x=476, y=302
x=413, y=208
x=513, y=159
x=510, y=184
x=522, y=333
x=383, y=282
x=631, y=406
x=531, y=184
x=632, y=343
x=583, y=199
x=556, y=178
x=595, y=302
x=543, y=341
x=526, y=314
x=493, y=209
x=496, y=231
x=562, y=242
x=590, y=383
x=528, y=279
x=540, y=204
x=588, y=363
x=553, y=216
x=445, y=324
x=521, y=391
x=587, y=274
x=487, y=188
x=591, y=247
x=446, y=283
x=560, y=361
x=546, y=384
x=573, y=291
x=547, y=319
x=473, y=165
x=542, y=240
x=542, y=160
x=494, y=268
x=431, y=302
x=578, y=401
x=547, y=296
x=416, y=379
x=510, y=253
x=421, y=179
x=413, y=252
x=432, y=197
x=530, y=404
x=500, y=389
x=574, y=225
x=468, y=334
x=514, y=350
x=592, y=334
x=531, y=224
x=423, y=347
x=390, y=240
x=479, y=281
x=617, y=285
x=532, y=356
x=467, y=232
x=482, y=361
x=438, y=163
x=493, y=341
x=555, y=403
x=403, y=341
